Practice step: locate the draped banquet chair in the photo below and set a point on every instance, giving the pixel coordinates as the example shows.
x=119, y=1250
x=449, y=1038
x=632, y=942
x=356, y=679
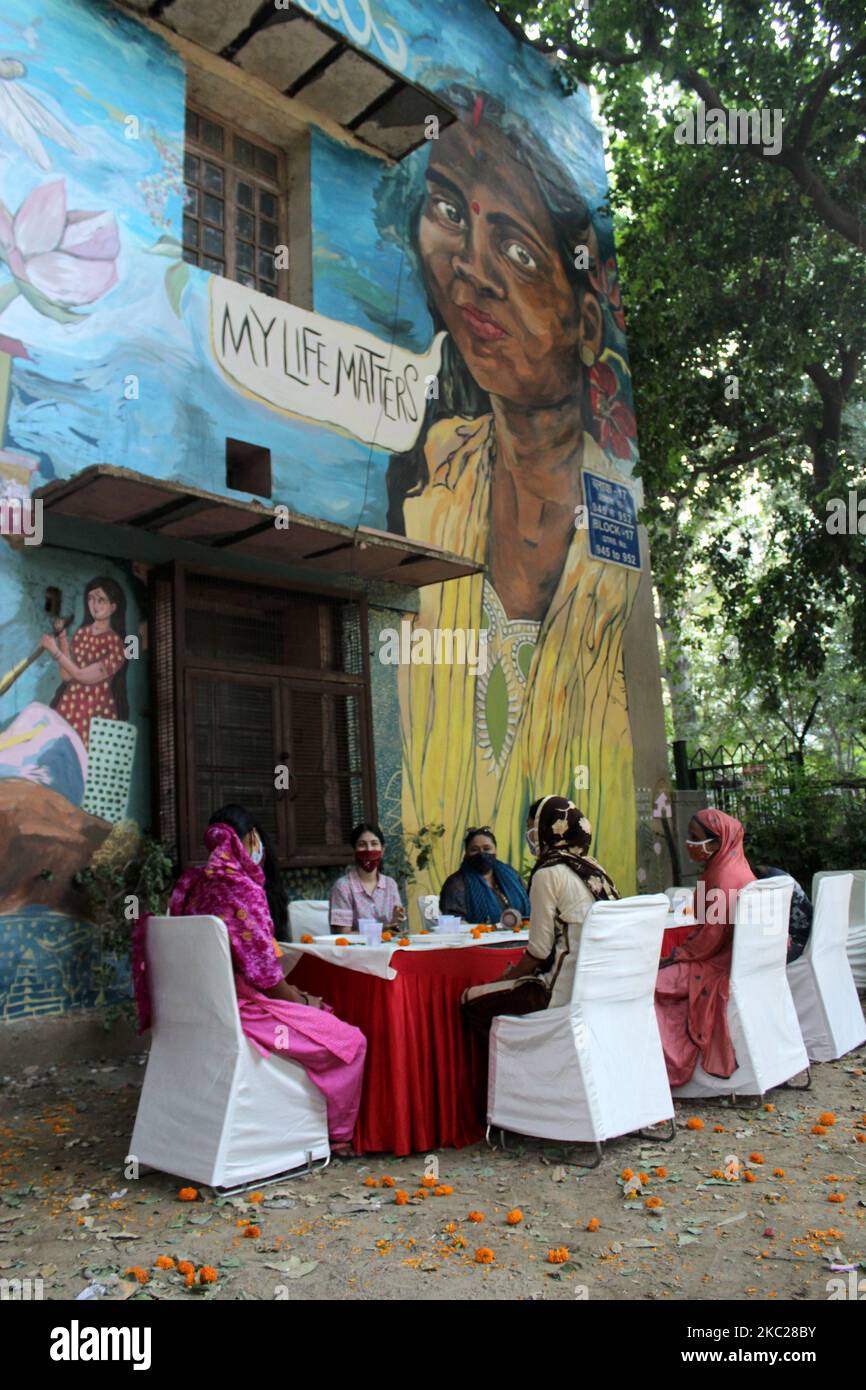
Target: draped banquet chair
x=594, y=1068
x=856, y=944
x=308, y=917
x=212, y=1109
x=825, y=996
x=761, y=1014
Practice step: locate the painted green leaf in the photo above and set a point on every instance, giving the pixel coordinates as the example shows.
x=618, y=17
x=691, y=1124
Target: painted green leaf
x=496, y=709
x=176, y=278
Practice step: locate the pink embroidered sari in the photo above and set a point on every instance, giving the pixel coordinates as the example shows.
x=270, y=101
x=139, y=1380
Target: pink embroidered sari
x=230, y=886
x=691, y=996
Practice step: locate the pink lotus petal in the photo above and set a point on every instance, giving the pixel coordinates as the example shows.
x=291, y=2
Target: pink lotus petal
x=13, y=347
x=41, y=219
x=69, y=280
x=91, y=235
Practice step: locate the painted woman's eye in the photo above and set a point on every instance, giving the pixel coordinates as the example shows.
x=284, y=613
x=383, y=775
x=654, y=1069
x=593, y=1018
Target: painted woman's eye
x=517, y=252
x=449, y=211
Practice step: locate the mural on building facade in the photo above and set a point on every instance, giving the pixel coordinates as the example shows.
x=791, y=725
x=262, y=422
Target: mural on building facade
x=468, y=247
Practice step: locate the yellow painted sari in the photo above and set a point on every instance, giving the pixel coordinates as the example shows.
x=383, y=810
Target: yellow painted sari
x=554, y=691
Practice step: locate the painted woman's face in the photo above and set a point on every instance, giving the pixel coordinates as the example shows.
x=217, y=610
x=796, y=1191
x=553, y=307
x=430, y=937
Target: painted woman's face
x=100, y=605
x=493, y=269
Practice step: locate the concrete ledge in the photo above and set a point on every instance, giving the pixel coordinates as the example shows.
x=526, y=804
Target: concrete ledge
x=76, y=1037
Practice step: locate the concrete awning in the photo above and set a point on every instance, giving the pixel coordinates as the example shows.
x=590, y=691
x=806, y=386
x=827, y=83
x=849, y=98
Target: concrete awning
x=122, y=497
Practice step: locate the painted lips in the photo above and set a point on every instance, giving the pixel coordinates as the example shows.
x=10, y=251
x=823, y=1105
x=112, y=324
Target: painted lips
x=482, y=325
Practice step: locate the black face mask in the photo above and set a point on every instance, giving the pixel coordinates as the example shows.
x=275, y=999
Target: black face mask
x=479, y=863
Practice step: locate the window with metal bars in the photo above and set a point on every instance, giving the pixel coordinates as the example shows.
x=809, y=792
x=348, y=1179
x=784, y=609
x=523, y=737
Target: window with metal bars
x=261, y=696
x=235, y=204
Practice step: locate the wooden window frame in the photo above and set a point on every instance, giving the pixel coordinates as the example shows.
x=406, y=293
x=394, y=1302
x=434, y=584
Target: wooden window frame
x=233, y=172
x=175, y=821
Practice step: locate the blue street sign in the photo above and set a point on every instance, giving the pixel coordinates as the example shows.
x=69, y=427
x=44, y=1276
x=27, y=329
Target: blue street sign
x=612, y=520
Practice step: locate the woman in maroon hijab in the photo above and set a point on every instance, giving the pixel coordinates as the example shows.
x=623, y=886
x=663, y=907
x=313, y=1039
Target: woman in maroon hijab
x=693, y=985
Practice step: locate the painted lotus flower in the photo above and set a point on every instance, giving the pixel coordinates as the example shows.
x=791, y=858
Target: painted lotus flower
x=67, y=257
x=614, y=421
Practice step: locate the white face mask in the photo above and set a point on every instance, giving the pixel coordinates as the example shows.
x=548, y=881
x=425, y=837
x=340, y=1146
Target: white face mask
x=532, y=840
x=257, y=854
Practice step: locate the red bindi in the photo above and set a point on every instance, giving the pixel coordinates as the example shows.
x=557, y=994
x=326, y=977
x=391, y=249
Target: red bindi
x=476, y=208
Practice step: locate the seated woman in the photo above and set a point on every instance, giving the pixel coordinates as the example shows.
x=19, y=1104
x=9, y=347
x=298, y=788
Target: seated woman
x=483, y=886
x=565, y=883
x=365, y=891
x=240, y=883
x=800, y=916
x=693, y=985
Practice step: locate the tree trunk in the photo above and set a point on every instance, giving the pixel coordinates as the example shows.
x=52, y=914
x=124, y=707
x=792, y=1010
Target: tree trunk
x=677, y=673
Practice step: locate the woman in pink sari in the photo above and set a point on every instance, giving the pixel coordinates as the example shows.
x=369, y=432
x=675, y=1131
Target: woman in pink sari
x=240, y=883
x=693, y=985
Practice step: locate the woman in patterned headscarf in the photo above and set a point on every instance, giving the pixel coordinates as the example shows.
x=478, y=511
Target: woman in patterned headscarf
x=563, y=886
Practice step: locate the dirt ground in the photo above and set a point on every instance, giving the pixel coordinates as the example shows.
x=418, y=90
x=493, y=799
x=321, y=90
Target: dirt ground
x=757, y=1230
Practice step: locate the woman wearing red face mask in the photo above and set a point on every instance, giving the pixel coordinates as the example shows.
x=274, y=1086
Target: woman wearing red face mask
x=693, y=985
x=365, y=891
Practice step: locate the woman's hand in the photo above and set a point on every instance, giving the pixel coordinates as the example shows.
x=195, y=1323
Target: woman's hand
x=50, y=645
x=397, y=920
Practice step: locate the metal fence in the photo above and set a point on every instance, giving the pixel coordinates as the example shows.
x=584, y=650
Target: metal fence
x=753, y=782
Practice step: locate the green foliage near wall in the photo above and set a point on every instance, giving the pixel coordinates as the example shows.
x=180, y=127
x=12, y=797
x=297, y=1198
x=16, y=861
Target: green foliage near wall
x=806, y=828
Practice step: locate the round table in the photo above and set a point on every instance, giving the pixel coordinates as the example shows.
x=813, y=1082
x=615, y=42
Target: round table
x=425, y=1078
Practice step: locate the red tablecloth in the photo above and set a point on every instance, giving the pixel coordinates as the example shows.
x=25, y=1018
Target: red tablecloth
x=425, y=1079
x=675, y=936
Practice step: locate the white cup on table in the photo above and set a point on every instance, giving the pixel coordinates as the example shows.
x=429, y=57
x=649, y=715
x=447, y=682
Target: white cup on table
x=371, y=930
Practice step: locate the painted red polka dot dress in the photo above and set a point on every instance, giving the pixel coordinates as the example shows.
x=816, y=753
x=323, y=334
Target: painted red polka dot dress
x=79, y=703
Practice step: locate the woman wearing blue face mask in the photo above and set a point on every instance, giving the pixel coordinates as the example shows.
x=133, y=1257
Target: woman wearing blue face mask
x=483, y=886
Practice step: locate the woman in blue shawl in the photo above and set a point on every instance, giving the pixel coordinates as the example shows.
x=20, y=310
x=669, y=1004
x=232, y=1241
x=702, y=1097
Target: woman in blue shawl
x=483, y=886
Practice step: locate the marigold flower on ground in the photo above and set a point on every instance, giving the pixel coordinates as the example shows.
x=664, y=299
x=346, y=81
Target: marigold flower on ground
x=252, y=1232
x=832, y=1177
x=429, y=1182
x=769, y=1108
x=443, y=1190
x=778, y=1172
x=138, y=1273
x=652, y=1203
x=451, y=1227
x=484, y=1256
x=189, y=1279
x=388, y=1182
x=370, y=1182
x=422, y=1192
x=644, y=1178
x=836, y=1197
x=188, y=1194
x=717, y=1173
x=185, y=1267
x=826, y=1118
x=749, y=1177
x=756, y=1158
x=401, y=1197
x=256, y=1197
x=306, y=939
x=694, y=1123
x=661, y=1172
x=861, y=1138
x=341, y=941
x=207, y=1275
x=593, y=1224
x=164, y=1262
x=558, y=1256
x=627, y=1174
x=514, y=1217
x=819, y=1129
x=475, y=1216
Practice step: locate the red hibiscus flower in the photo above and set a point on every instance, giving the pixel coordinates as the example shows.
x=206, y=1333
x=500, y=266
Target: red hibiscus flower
x=616, y=426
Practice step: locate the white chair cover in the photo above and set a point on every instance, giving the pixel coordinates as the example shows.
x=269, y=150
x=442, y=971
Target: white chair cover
x=308, y=917
x=825, y=996
x=212, y=1108
x=593, y=1069
x=856, y=944
x=761, y=1014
